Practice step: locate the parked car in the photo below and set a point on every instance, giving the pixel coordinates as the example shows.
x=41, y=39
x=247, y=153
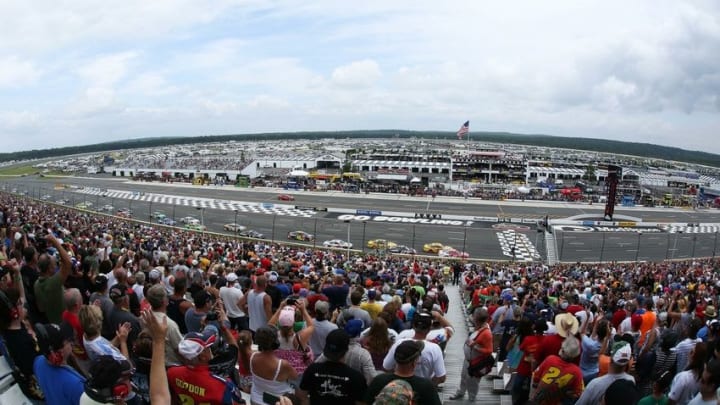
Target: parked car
x=300, y=235
x=233, y=227
x=449, y=251
x=166, y=221
x=402, y=249
x=286, y=197
x=252, y=234
x=433, y=247
x=381, y=244
x=337, y=243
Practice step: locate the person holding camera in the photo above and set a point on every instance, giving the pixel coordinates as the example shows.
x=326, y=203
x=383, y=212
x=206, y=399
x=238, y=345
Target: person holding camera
x=195, y=382
x=49, y=286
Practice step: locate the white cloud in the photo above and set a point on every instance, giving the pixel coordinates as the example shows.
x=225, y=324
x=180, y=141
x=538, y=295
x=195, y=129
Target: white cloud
x=16, y=72
x=644, y=70
x=358, y=74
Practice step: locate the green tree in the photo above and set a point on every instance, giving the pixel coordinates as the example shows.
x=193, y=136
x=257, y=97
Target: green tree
x=590, y=173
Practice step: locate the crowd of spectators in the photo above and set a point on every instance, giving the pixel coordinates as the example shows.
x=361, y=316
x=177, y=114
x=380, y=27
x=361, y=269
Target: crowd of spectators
x=121, y=312
x=197, y=162
x=620, y=332
x=94, y=301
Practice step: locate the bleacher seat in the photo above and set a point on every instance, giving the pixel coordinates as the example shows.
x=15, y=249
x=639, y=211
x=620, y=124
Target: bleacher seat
x=10, y=392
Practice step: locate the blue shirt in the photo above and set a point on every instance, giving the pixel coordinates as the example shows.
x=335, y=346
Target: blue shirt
x=61, y=385
x=590, y=356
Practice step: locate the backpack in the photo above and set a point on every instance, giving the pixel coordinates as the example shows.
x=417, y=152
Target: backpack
x=396, y=392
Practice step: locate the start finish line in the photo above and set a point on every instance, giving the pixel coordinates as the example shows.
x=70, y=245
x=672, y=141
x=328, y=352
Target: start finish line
x=404, y=220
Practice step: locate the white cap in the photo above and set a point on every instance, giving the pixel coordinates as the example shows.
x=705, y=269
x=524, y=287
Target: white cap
x=231, y=278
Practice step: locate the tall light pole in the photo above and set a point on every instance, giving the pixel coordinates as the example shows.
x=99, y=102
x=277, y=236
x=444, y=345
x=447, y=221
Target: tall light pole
x=363, y=238
x=347, y=221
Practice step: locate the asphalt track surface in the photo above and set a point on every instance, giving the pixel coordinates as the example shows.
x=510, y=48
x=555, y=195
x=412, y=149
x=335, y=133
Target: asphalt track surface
x=474, y=226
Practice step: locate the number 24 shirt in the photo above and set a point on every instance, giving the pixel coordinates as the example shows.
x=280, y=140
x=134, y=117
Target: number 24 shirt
x=557, y=380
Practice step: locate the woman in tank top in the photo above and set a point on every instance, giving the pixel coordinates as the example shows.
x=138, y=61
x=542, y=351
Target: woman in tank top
x=270, y=375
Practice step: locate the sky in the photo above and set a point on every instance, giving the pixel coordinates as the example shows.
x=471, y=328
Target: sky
x=81, y=72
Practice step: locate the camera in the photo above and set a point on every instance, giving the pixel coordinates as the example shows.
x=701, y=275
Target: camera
x=211, y=316
x=291, y=301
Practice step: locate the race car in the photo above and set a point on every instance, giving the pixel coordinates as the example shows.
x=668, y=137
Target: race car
x=300, y=235
x=286, y=197
x=402, y=249
x=158, y=215
x=337, y=243
x=233, y=227
x=187, y=220
x=166, y=221
x=449, y=251
x=250, y=233
x=196, y=227
x=380, y=244
x=433, y=247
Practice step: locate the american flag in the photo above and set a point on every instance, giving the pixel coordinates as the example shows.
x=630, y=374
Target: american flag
x=464, y=130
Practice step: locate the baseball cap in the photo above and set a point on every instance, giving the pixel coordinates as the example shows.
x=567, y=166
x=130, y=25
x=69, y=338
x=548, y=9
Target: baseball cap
x=106, y=371
x=100, y=280
x=396, y=392
x=273, y=276
x=408, y=351
x=621, y=353
x=117, y=292
x=336, y=344
x=194, y=343
x=231, y=277
x=287, y=316
x=52, y=337
x=354, y=327
x=154, y=274
x=422, y=320
x=296, y=288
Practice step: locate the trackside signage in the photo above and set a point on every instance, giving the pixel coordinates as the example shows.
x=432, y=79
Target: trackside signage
x=404, y=220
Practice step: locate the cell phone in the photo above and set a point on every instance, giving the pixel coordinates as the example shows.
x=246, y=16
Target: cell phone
x=270, y=399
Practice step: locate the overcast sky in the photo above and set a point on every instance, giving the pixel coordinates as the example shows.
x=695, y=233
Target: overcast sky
x=79, y=72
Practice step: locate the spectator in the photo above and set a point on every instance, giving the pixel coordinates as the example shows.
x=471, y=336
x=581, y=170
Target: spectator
x=109, y=382
x=231, y=295
x=157, y=297
x=406, y=356
x=354, y=312
x=270, y=375
x=95, y=344
x=100, y=296
x=60, y=383
x=73, y=303
x=194, y=381
x=49, y=285
x=195, y=315
x=686, y=384
x=621, y=392
x=478, y=343
x=257, y=304
x=557, y=379
x=121, y=314
x=659, y=388
x=620, y=355
x=159, y=390
x=332, y=380
x=709, y=385
x=177, y=304
x=529, y=346
x=357, y=357
x=323, y=326
x=432, y=365
x=337, y=293
x=372, y=307
x=684, y=348
x=377, y=342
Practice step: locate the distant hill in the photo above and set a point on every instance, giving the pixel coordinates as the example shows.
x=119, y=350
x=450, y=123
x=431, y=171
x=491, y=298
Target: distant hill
x=588, y=144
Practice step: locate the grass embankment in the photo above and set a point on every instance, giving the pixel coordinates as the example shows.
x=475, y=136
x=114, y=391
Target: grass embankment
x=18, y=170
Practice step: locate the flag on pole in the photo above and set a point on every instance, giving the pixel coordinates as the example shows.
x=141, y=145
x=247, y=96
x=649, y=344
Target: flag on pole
x=464, y=130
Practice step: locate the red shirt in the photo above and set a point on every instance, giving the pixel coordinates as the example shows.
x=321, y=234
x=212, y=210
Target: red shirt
x=78, y=346
x=551, y=347
x=618, y=317
x=529, y=347
x=557, y=381
x=196, y=385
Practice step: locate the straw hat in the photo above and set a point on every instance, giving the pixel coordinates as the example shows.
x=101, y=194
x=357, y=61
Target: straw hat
x=566, y=323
